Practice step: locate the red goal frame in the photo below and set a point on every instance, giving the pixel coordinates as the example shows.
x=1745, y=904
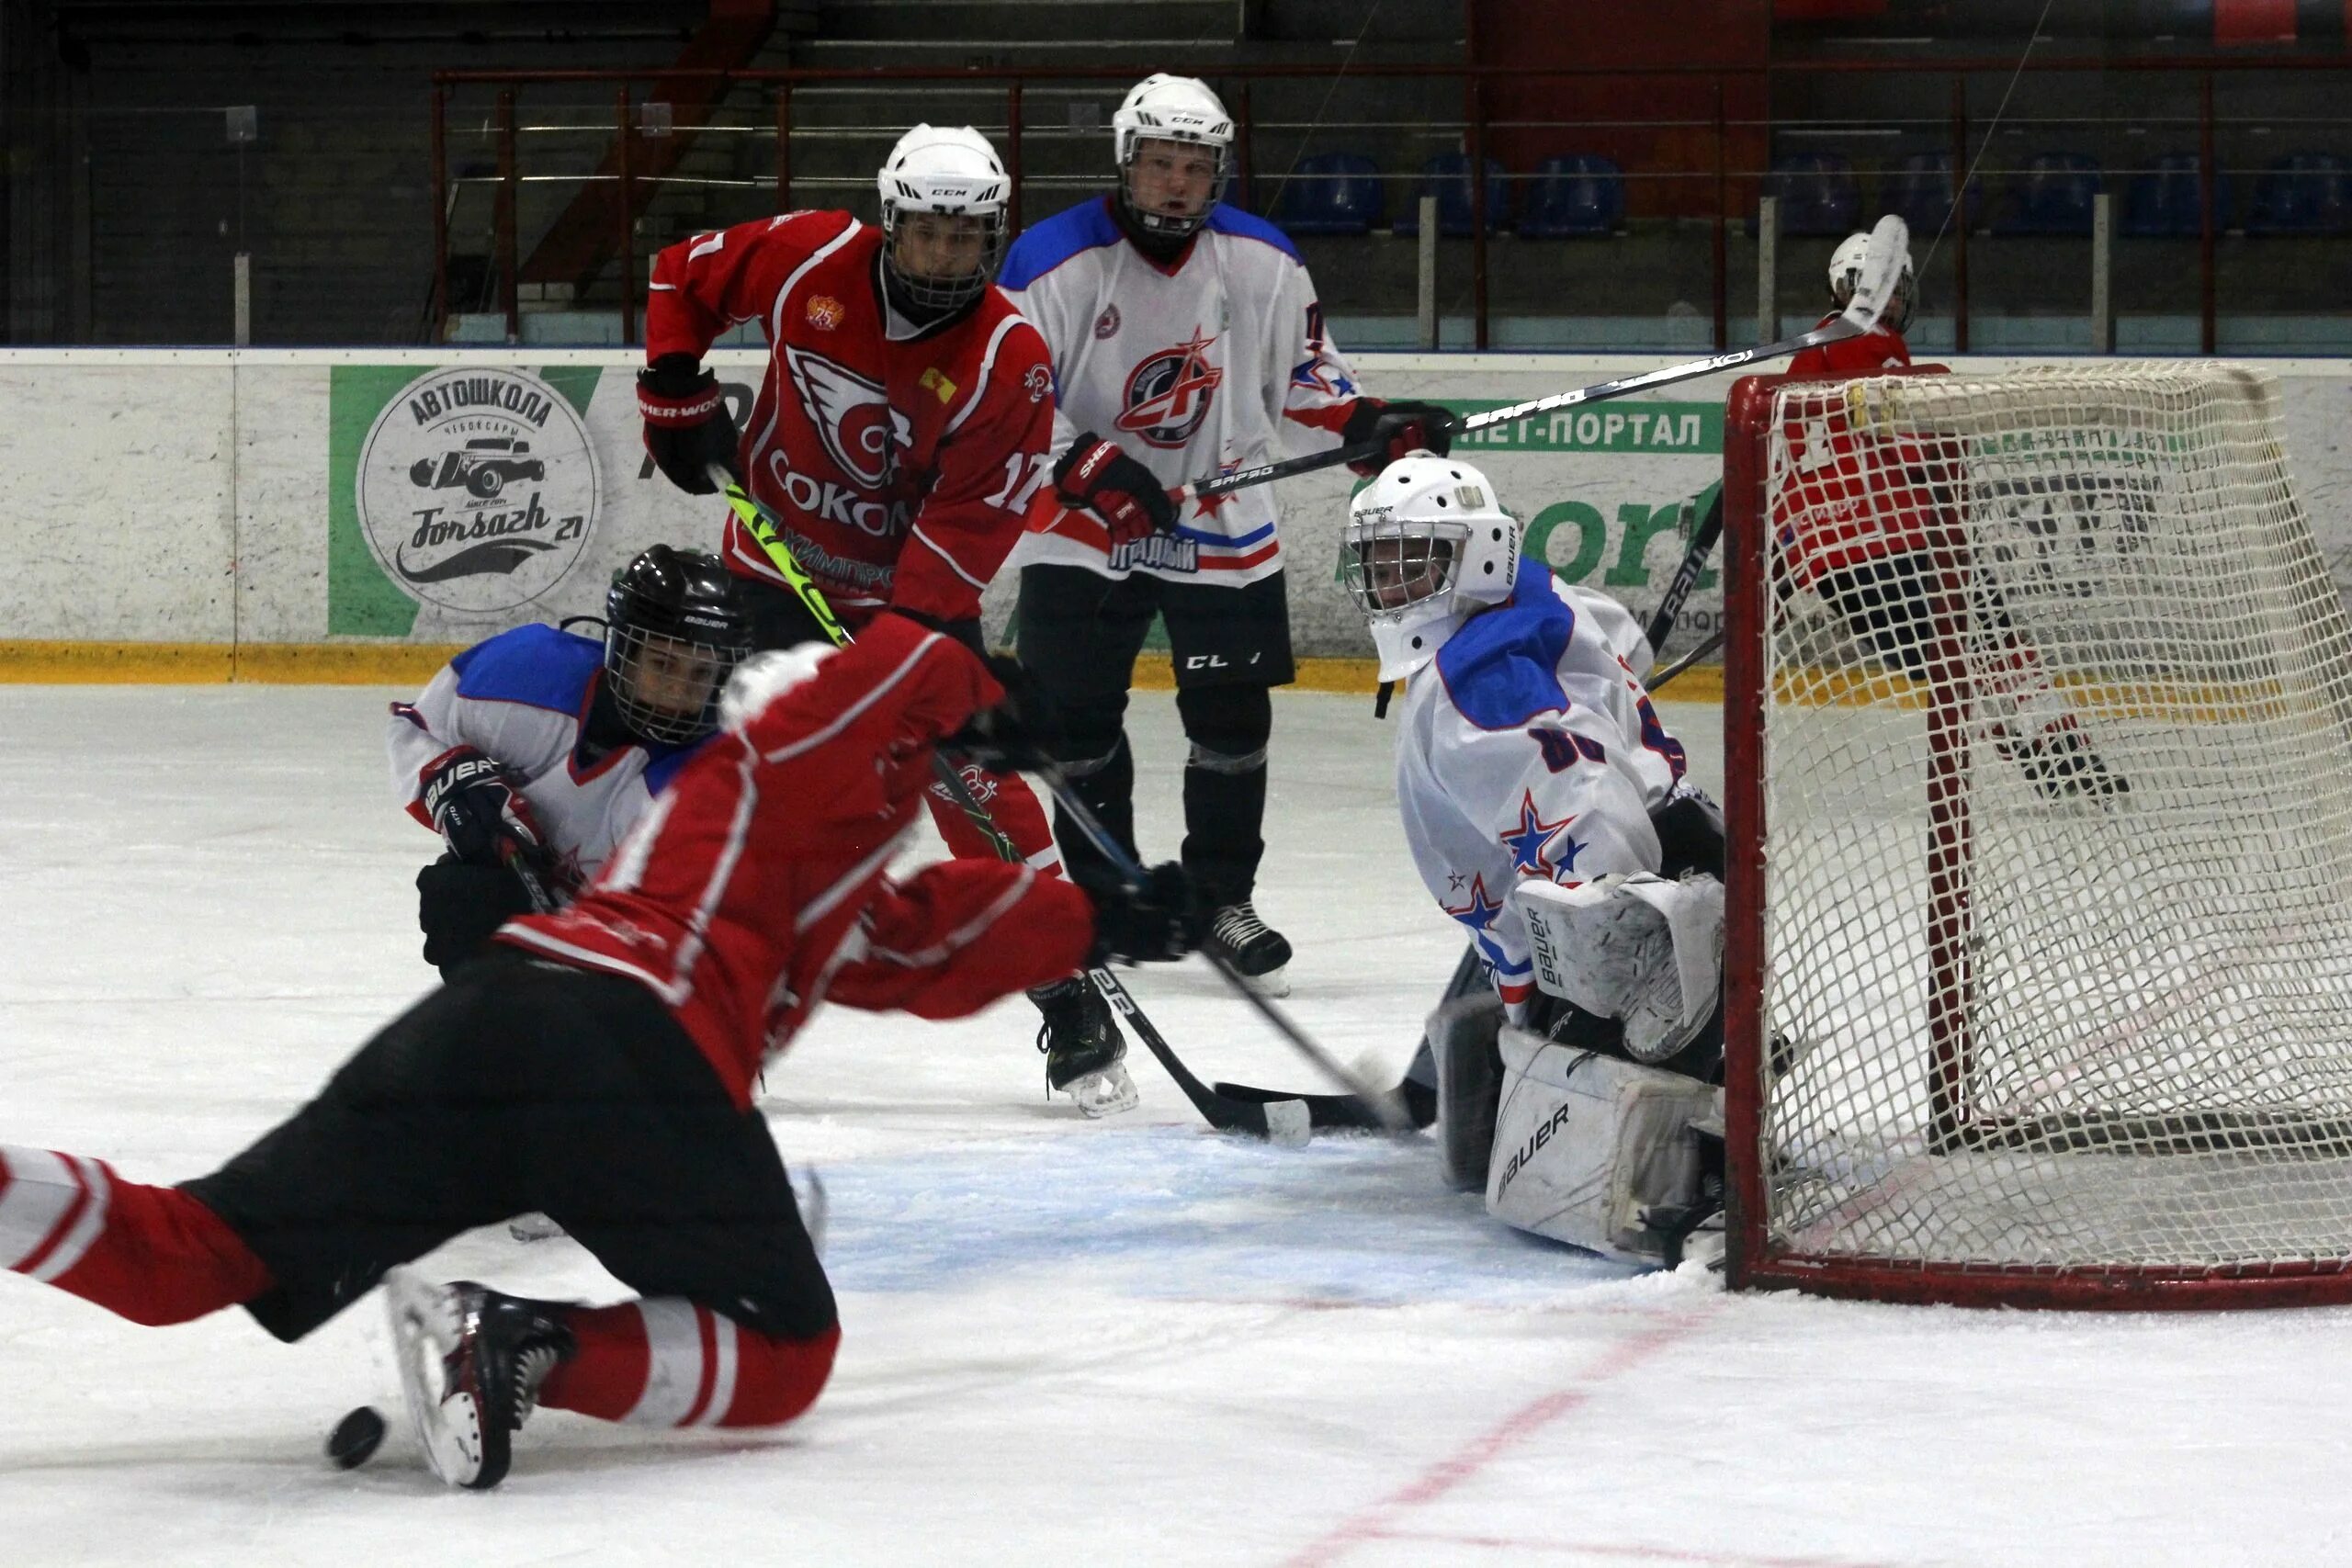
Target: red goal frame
x=1752, y=1260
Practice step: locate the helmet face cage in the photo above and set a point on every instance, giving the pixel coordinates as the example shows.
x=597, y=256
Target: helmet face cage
x=1175, y=225
x=667, y=687
x=1392, y=565
x=935, y=293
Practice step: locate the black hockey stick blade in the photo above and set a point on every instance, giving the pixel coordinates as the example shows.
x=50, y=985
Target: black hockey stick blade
x=1338, y=1110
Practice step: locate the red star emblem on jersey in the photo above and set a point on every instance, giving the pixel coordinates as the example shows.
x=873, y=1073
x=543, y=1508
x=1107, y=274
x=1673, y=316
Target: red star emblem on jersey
x=1209, y=503
x=1530, y=842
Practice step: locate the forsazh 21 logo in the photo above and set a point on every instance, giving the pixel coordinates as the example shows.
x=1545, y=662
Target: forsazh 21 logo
x=476, y=491
x=1168, y=393
x=861, y=432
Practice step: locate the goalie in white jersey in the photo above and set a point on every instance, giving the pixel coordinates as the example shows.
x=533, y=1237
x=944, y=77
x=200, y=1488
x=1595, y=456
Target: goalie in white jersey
x=1548, y=814
x=1186, y=340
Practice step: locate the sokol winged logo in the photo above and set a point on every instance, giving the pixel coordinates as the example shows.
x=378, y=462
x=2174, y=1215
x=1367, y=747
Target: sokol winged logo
x=853, y=415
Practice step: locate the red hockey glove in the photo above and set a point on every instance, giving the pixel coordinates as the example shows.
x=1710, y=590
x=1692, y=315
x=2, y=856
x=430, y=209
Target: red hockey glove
x=687, y=427
x=1096, y=475
x=1397, y=428
x=477, y=807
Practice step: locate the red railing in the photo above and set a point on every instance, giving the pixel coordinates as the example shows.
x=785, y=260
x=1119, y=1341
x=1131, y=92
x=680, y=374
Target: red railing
x=1475, y=130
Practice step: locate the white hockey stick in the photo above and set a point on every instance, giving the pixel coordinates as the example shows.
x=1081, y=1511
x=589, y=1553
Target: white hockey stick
x=1882, y=268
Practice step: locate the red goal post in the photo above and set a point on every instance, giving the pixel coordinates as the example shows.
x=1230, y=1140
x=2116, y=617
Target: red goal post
x=2038, y=726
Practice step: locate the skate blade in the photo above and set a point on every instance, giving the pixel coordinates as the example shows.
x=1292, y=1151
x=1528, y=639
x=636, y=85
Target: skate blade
x=1274, y=982
x=424, y=1330
x=1105, y=1093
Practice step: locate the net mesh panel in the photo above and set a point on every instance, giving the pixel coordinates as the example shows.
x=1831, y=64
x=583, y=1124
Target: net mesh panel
x=2058, y=846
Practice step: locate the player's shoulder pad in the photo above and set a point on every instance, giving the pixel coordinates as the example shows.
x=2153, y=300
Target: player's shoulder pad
x=1044, y=247
x=1503, y=668
x=537, y=666
x=1226, y=219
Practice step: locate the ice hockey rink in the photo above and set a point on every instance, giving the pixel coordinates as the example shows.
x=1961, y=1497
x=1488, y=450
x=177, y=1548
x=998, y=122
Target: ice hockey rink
x=1132, y=1341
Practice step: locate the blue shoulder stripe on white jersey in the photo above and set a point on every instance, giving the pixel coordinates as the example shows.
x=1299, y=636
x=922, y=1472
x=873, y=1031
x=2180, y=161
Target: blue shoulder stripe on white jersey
x=1503, y=667
x=1228, y=219
x=537, y=666
x=1044, y=247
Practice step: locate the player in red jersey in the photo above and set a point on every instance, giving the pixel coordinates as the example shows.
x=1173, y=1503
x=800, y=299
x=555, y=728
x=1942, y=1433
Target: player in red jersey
x=1866, y=522
x=903, y=423
x=602, y=1072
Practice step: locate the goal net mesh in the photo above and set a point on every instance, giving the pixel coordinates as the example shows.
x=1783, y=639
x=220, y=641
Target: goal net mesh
x=2057, y=830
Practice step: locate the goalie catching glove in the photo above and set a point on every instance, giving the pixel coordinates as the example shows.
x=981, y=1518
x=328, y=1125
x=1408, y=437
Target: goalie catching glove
x=687, y=427
x=1095, y=474
x=1396, y=429
x=477, y=807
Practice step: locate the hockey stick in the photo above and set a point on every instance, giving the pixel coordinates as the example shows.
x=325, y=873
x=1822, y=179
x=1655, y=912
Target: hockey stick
x=1686, y=576
x=1276, y=1121
x=1882, y=268
x=1655, y=683
x=1382, y=1107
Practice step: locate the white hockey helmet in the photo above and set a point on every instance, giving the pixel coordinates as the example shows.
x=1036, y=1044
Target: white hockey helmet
x=1427, y=543
x=953, y=170
x=1171, y=109
x=1846, y=270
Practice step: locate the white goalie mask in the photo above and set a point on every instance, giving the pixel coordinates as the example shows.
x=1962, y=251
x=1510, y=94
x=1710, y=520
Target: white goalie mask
x=950, y=171
x=1164, y=109
x=1427, y=544
x=1846, y=270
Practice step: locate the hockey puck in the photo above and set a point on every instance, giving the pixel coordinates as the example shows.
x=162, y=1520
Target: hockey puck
x=356, y=1437
x=1287, y=1123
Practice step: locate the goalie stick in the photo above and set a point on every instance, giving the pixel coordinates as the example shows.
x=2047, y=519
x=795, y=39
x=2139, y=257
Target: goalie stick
x=1225, y=1115
x=1882, y=267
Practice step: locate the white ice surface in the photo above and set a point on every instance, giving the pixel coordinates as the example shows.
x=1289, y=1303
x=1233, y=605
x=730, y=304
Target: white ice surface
x=1130, y=1341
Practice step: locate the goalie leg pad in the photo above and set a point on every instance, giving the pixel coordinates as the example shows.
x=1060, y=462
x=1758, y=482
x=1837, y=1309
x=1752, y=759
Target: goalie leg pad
x=1469, y=1085
x=1586, y=1146
x=1640, y=948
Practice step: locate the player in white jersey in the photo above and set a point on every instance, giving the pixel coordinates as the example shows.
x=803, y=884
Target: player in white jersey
x=1544, y=803
x=1186, y=340
x=533, y=752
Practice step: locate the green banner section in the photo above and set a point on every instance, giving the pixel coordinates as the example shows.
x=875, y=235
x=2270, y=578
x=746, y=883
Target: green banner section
x=361, y=601
x=1685, y=429
x=1572, y=537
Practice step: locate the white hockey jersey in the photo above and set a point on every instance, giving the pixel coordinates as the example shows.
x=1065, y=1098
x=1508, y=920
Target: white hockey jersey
x=1529, y=748
x=521, y=698
x=1219, y=363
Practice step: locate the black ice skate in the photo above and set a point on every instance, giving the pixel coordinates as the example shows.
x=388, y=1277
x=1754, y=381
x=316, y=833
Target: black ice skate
x=2062, y=765
x=1257, y=950
x=471, y=1361
x=1083, y=1047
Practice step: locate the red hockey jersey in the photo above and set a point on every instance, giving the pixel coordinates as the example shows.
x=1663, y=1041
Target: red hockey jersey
x=1850, y=496
x=900, y=467
x=753, y=888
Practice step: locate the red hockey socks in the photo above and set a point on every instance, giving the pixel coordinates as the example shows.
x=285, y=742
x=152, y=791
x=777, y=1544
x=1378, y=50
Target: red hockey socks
x=666, y=1363
x=151, y=1254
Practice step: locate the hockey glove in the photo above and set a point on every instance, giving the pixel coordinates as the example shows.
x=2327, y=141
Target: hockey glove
x=687, y=427
x=460, y=907
x=1131, y=501
x=1156, y=923
x=1019, y=734
x=1397, y=428
x=477, y=807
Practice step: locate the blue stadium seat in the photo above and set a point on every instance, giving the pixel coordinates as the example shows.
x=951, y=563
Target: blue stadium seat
x=1819, y=194
x=1331, y=193
x=1580, y=194
x=2167, y=203
x=2304, y=192
x=2052, y=195
x=1918, y=191
x=1447, y=177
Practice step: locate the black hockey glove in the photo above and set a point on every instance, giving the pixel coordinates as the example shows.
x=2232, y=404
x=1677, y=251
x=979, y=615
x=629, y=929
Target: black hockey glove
x=1019, y=734
x=687, y=427
x=1156, y=923
x=477, y=807
x=1397, y=428
x=459, y=906
x=1131, y=501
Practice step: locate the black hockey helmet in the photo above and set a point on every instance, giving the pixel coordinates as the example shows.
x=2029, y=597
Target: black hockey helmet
x=675, y=626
